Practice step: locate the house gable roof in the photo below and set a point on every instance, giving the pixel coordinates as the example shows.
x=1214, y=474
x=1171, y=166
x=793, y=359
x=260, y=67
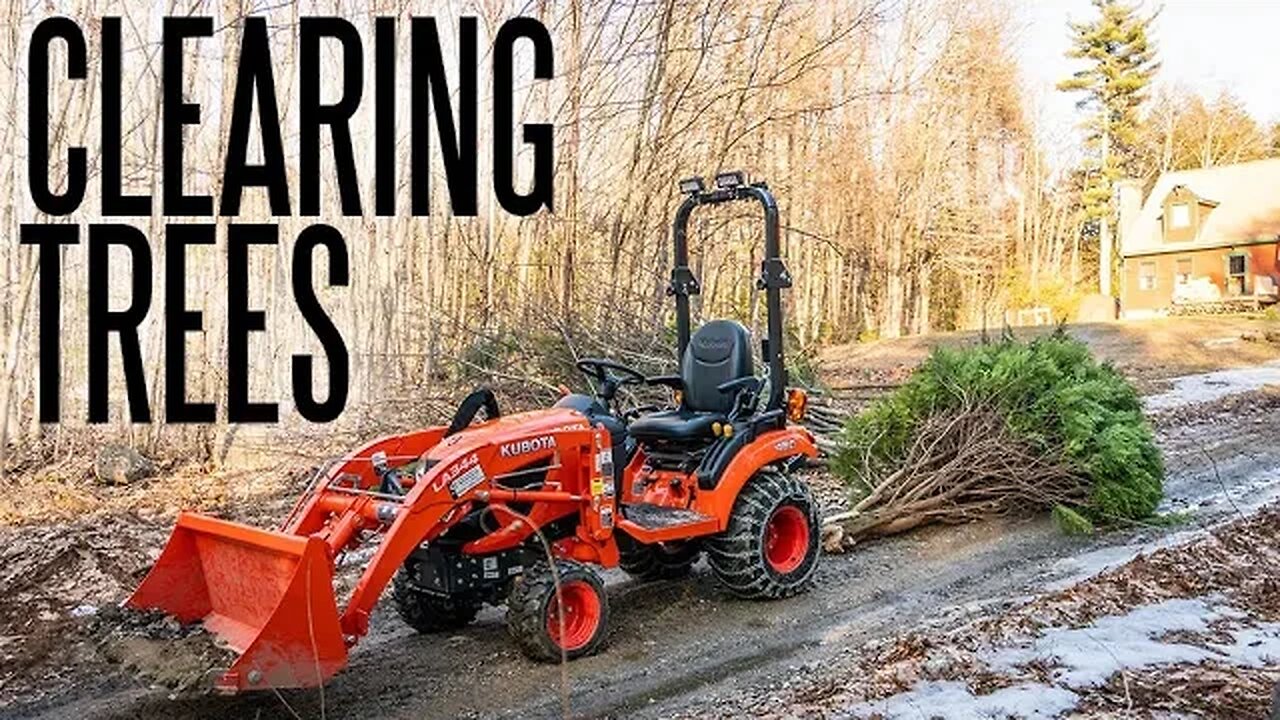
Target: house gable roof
x=1248, y=208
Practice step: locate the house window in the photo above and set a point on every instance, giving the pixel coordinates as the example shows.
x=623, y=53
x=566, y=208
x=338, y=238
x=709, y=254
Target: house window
x=1147, y=276
x=1180, y=216
x=1237, y=274
x=1182, y=274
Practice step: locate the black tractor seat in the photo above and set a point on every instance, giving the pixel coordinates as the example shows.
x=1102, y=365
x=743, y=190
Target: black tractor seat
x=675, y=425
x=718, y=353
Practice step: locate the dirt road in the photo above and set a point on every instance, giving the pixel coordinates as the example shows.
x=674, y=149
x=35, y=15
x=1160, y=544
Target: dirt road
x=686, y=648
x=1147, y=351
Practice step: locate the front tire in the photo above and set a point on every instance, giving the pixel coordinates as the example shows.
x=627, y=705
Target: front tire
x=429, y=613
x=770, y=548
x=534, y=618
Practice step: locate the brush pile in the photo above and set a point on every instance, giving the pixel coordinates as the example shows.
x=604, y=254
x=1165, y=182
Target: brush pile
x=999, y=428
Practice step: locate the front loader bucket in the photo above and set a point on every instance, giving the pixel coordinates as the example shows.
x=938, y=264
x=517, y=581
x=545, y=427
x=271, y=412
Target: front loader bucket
x=267, y=595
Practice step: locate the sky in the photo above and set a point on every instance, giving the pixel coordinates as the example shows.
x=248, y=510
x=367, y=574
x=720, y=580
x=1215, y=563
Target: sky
x=1204, y=45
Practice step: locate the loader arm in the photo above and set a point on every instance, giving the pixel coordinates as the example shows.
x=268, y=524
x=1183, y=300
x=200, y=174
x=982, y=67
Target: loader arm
x=437, y=501
x=269, y=594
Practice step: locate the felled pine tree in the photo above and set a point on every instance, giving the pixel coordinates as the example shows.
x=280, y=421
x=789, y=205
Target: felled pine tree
x=999, y=428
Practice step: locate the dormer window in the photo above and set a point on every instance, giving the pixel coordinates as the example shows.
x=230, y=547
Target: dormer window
x=1184, y=214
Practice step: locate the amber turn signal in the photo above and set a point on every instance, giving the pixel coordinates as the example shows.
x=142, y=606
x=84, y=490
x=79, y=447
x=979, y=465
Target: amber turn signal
x=797, y=401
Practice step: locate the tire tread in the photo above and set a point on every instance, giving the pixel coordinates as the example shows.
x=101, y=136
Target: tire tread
x=736, y=555
x=527, y=606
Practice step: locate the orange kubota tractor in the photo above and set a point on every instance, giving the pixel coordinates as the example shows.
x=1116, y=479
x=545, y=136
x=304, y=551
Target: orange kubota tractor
x=469, y=513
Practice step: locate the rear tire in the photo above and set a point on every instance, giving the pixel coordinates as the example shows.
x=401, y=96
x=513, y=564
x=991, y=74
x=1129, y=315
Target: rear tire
x=428, y=613
x=770, y=548
x=659, y=561
x=533, y=618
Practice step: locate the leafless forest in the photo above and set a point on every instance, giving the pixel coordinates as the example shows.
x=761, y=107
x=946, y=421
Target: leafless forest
x=917, y=192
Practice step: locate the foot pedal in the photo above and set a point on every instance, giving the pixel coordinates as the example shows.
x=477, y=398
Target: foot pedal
x=650, y=523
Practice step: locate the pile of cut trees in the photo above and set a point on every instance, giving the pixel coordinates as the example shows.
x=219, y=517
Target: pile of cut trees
x=825, y=421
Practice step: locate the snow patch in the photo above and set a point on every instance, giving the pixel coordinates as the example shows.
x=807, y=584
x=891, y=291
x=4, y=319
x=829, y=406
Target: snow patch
x=1192, y=492
x=1235, y=496
x=1210, y=386
x=1085, y=657
x=81, y=611
x=1245, y=497
x=952, y=700
x=1081, y=567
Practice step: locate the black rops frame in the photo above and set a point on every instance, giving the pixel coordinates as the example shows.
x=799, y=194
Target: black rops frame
x=773, y=273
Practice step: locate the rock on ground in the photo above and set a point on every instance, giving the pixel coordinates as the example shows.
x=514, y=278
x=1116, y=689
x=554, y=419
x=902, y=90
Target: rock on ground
x=120, y=464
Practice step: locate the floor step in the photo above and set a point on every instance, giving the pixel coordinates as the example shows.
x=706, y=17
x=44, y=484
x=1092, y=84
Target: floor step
x=655, y=523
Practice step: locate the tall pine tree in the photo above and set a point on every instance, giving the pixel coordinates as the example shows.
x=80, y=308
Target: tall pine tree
x=1121, y=62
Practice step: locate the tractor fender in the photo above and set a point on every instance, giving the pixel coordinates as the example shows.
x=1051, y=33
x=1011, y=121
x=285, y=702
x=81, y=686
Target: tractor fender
x=766, y=449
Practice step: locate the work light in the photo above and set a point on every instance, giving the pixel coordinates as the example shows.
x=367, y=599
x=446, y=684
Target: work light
x=731, y=179
x=692, y=186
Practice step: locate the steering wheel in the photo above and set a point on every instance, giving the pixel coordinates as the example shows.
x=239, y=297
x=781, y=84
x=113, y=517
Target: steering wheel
x=603, y=372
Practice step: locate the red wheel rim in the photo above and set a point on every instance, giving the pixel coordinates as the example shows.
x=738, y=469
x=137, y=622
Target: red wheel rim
x=786, y=539
x=581, y=615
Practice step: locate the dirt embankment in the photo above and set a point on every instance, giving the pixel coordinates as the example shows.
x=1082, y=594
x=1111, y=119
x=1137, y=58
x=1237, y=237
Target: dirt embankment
x=60, y=616
x=1148, y=351
x=54, y=576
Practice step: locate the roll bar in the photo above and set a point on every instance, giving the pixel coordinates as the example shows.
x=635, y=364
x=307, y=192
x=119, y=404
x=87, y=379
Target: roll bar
x=773, y=273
